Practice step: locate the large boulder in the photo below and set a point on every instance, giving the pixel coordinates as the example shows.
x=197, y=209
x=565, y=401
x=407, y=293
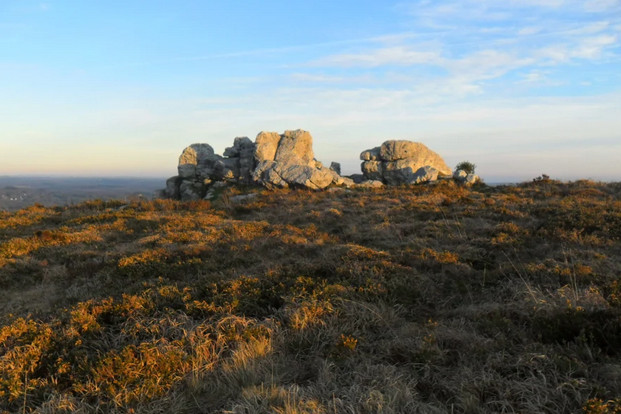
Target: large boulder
x=295, y=148
x=266, y=146
x=197, y=159
x=402, y=162
x=465, y=178
x=288, y=160
x=305, y=176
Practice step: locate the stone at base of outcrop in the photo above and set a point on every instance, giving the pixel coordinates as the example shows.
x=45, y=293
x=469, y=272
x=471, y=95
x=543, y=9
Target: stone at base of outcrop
x=306, y=176
x=464, y=178
x=191, y=190
x=424, y=174
x=371, y=184
x=336, y=167
x=357, y=178
x=472, y=179
x=172, y=187
x=214, y=189
x=402, y=162
x=460, y=175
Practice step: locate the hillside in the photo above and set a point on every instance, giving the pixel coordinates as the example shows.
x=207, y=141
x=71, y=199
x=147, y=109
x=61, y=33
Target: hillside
x=394, y=300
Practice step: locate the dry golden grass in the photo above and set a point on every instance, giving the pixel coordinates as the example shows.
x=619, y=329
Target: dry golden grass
x=397, y=300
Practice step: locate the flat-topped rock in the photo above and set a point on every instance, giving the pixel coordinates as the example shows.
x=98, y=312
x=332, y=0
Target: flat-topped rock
x=402, y=162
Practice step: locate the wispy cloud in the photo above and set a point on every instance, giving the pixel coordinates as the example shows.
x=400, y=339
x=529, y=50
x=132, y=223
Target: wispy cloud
x=391, y=55
x=465, y=43
x=601, y=5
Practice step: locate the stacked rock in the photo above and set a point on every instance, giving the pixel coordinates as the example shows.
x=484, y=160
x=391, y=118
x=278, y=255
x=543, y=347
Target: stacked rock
x=288, y=159
x=239, y=160
x=403, y=162
x=273, y=160
x=197, y=166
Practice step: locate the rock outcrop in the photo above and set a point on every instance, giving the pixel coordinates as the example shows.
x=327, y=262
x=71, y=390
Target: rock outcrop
x=273, y=160
x=276, y=160
x=197, y=164
x=403, y=162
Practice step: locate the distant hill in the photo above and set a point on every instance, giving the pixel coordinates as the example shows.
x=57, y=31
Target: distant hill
x=19, y=192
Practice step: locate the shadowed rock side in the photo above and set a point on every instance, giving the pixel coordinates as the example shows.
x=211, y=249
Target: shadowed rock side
x=403, y=162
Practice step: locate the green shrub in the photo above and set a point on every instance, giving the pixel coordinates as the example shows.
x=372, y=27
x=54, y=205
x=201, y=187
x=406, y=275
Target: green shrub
x=466, y=166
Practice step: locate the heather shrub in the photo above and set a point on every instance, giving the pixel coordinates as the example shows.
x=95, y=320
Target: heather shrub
x=411, y=299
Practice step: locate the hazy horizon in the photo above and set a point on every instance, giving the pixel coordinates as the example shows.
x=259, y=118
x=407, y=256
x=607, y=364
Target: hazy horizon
x=520, y=88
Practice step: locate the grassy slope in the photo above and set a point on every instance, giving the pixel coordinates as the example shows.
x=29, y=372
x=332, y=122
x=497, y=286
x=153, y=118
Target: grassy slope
x=428, y=299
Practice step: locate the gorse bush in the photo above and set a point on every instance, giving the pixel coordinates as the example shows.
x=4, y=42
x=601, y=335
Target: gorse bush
x=398, y=300
x=466, y=166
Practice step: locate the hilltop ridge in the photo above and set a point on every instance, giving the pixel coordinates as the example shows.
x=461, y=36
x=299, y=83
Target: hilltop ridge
x=402, y=299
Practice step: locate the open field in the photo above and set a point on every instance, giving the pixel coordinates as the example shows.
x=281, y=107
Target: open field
x=427, y=299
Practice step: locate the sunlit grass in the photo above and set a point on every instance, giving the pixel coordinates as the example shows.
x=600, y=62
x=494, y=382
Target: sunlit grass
x=396, y=300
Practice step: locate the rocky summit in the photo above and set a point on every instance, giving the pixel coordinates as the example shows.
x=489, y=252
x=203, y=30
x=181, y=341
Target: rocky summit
x=284, y=160
x=403, y=162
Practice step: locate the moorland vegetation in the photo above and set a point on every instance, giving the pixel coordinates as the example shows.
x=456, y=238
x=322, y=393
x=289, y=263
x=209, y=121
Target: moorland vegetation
x=435, y=298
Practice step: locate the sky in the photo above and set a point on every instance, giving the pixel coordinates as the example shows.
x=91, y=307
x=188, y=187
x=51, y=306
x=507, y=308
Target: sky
x=118, y=88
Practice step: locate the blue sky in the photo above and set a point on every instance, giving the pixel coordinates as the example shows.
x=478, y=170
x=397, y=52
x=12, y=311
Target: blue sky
x=519, y=87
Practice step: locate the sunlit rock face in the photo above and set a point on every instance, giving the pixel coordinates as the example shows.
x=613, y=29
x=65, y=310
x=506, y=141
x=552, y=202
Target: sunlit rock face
x=288, y=160
x=403, y=162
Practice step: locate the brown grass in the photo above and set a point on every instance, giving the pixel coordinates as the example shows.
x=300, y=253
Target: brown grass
x=397, y=300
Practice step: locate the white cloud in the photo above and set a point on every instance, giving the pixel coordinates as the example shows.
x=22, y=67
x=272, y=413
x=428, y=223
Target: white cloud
x=534, y=76
x=392, y=55
x=601, y=5
x=530, y=30
x=589, y=48
x=592, y=47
